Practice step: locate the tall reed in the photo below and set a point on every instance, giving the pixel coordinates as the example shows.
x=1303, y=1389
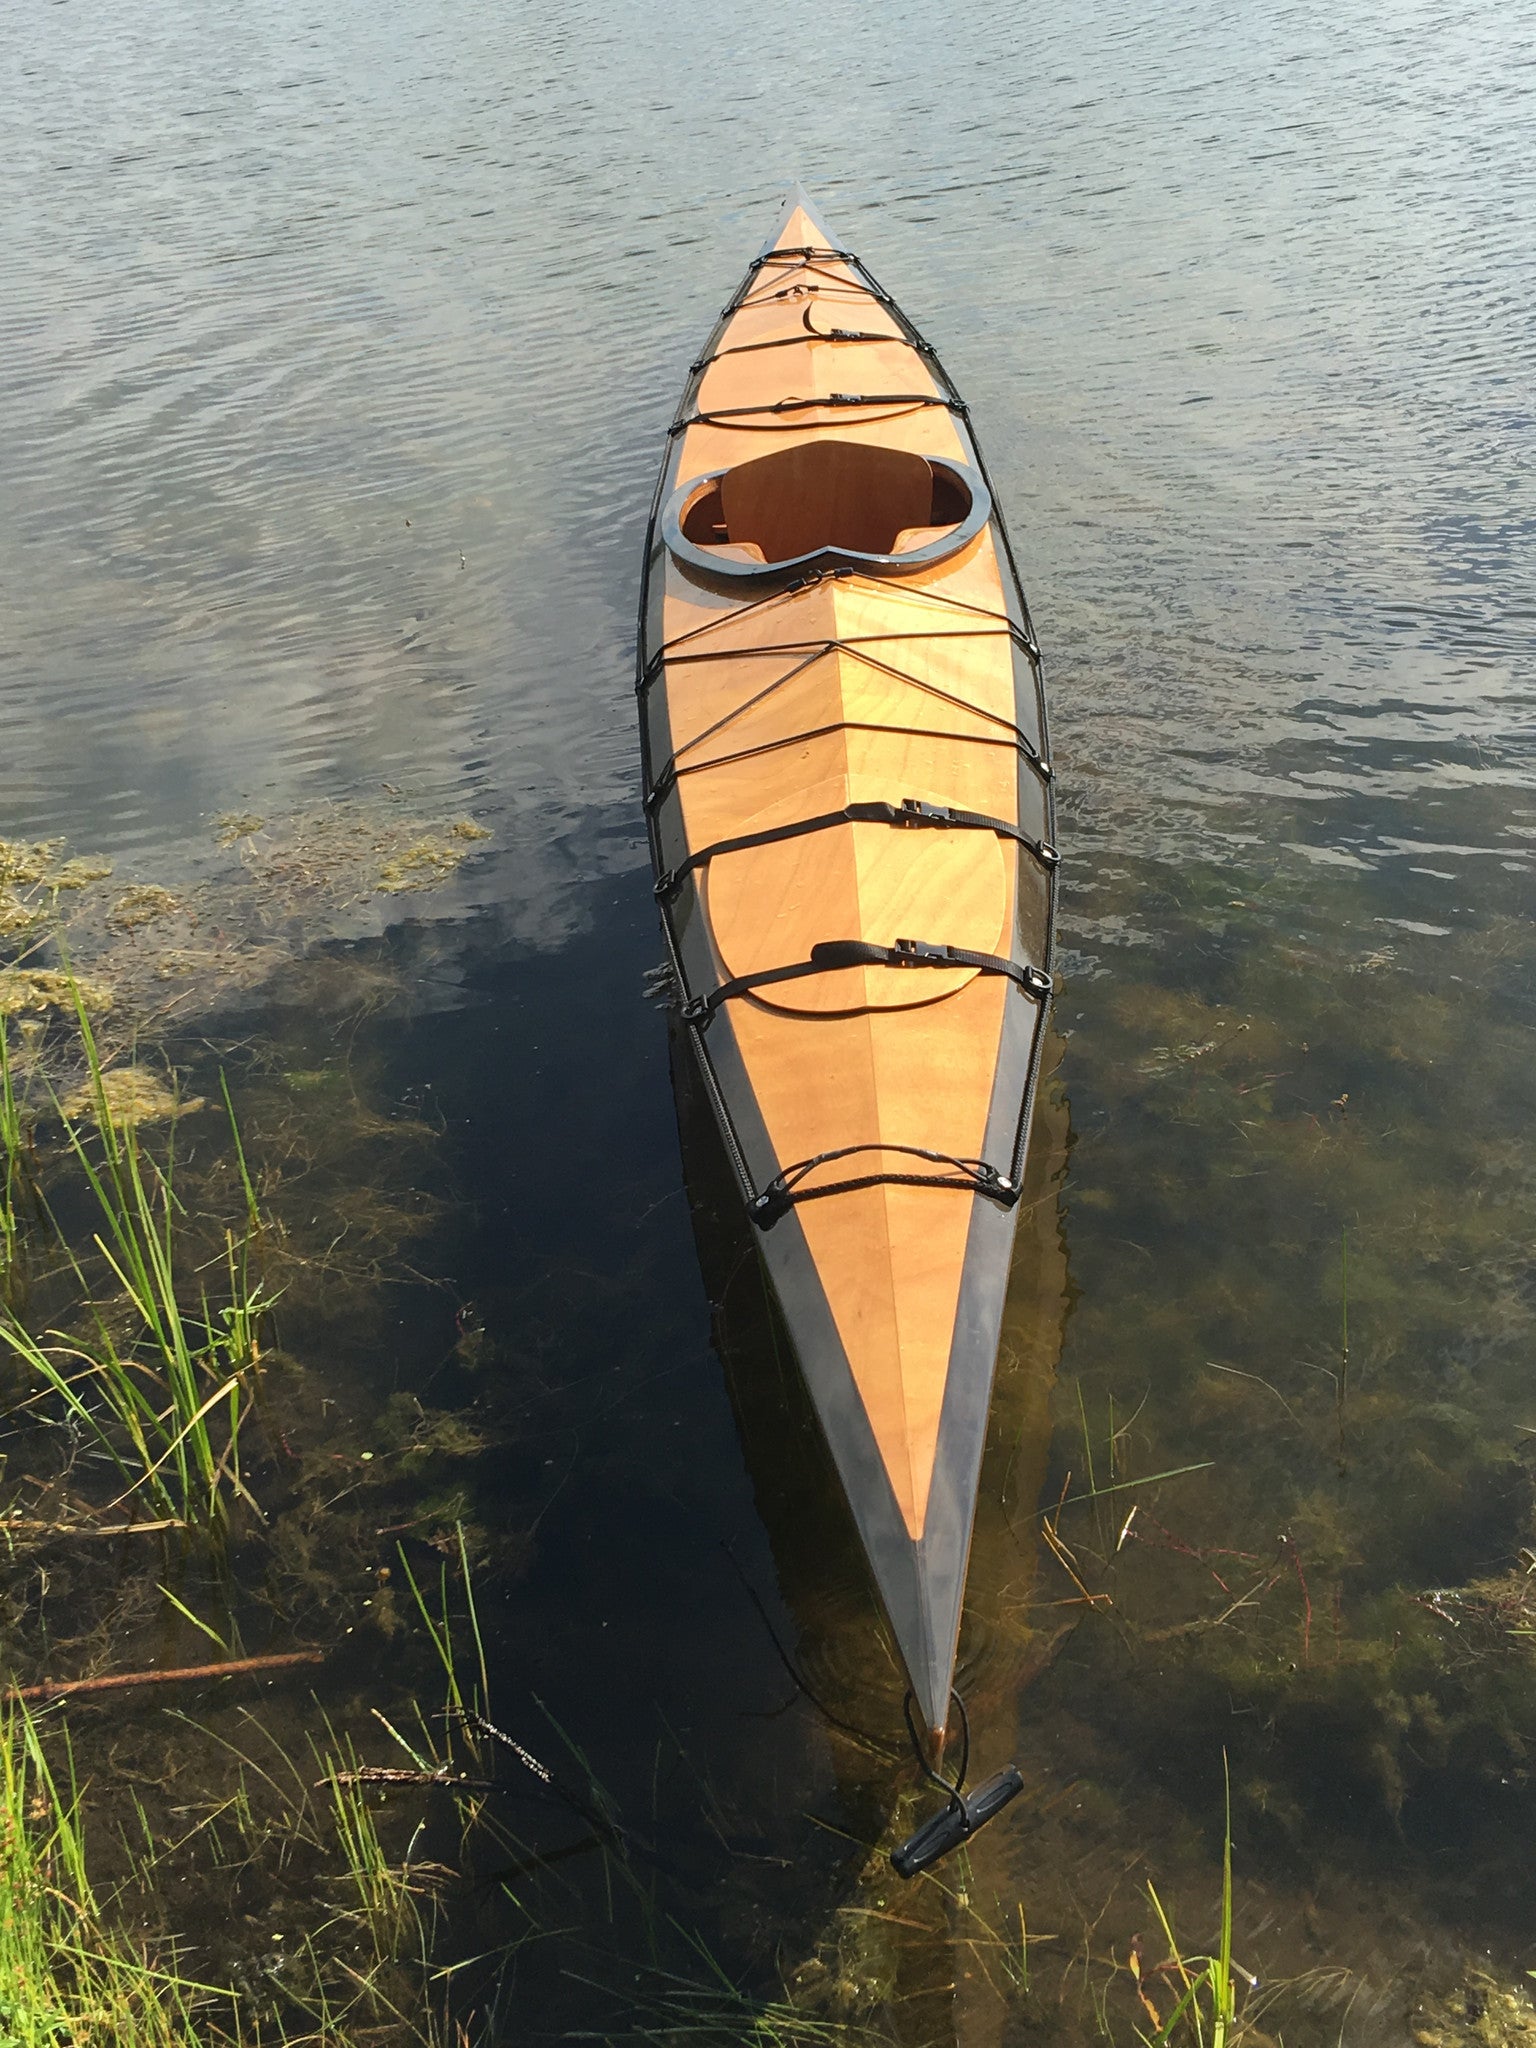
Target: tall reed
x=72, y=1975
x=160, y=1379
x=1207, y=1983
x=66, y=1973
x=14, y=1164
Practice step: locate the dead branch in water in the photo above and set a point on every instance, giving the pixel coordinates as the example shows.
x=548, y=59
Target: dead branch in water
x=390, y=1774
x=29, y=1527
x=117, y=1681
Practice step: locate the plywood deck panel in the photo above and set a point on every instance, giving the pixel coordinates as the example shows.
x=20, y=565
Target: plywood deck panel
x=768, y=703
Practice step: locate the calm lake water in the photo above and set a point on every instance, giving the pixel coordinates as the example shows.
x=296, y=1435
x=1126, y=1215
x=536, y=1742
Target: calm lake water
x=337, y=348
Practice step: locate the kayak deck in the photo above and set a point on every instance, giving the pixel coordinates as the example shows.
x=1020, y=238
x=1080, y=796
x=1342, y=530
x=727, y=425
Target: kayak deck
x=849, y=797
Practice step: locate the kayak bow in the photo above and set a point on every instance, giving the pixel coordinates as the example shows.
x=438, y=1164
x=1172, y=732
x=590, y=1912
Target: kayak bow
x=849, y=798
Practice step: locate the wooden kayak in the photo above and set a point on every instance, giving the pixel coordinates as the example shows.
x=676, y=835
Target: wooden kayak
x=849, y=797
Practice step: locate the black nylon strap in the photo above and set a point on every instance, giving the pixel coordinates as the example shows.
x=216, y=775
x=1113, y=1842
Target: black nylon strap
x=748, y=348
x=831, y=954
x=911, y=811
x=833, y=400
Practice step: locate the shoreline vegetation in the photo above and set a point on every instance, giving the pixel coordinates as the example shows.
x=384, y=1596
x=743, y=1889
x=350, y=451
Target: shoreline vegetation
x=141, y=1270
x=255, y=1783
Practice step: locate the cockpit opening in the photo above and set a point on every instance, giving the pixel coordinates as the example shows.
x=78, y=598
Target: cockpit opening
x=850, y=496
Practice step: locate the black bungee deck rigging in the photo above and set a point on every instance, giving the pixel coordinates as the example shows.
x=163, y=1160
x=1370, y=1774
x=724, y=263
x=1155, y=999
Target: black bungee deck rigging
x=698, y=1007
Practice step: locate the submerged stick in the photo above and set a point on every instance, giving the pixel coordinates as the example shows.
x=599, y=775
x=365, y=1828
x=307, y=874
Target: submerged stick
x=29, y=1527
x=117, y=1681
x=390, y=1774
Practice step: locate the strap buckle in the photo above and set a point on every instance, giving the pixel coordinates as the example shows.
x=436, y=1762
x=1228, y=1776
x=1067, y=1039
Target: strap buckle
x=915, y=812
x=912, y=952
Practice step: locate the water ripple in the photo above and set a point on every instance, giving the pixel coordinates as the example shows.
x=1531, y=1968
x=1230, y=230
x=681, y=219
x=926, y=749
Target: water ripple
x=338, y=351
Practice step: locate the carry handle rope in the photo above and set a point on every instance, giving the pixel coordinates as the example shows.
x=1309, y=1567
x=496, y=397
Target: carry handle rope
x=786, y=1189
x=962, y=1815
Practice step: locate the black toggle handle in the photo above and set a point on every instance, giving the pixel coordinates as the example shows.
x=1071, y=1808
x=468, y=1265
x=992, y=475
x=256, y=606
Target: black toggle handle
x=957, y=1823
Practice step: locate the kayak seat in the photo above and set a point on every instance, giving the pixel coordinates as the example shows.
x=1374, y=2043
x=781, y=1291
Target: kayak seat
x=826, y=500
x=911, y=537
x=850, y=495
x=735, y=550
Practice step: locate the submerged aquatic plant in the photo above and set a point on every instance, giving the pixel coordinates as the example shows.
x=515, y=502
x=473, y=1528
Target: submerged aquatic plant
x=707, y=2005
x=27, y=865
x=143, y=904
x=421, y=866
x=18, y=917
x=39, y=991
x=129, y=1095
